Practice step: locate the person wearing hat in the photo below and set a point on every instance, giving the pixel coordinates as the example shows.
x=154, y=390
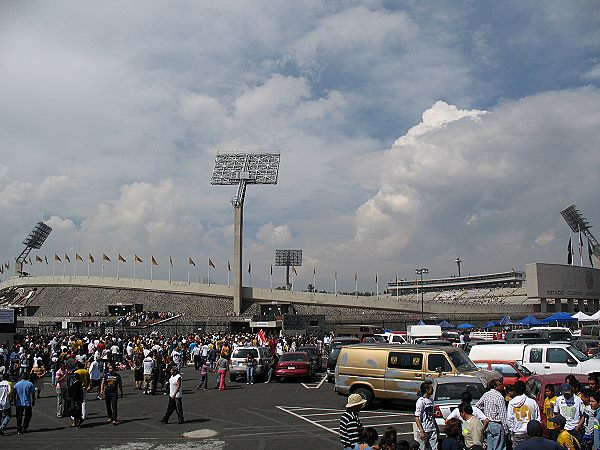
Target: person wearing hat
x=351, y=428
x=566, y=439
x=535, y=440
x=570, y=407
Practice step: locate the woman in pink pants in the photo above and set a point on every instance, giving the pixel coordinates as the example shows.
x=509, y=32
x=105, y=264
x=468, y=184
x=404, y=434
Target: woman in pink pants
x=222, y=367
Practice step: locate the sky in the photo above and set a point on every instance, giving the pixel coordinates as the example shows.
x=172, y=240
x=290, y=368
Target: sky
x=411, y=133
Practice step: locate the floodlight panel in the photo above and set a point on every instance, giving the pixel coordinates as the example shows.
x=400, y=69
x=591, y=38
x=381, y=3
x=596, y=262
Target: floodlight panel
x=288, y=258
x=38, y=236
x=574, y=219
x=254, y=168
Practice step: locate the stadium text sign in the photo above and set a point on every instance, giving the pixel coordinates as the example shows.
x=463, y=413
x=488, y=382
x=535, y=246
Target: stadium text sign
x=562, y=281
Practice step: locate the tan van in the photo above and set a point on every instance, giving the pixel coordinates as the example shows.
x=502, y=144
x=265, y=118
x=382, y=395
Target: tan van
x=385, y=371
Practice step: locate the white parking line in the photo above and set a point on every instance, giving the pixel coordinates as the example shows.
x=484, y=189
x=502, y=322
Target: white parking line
x=318, y=385
x=315, y=417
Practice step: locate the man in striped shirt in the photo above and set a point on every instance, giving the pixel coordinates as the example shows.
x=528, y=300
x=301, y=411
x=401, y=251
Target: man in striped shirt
x=493, y=405
x=350, y=427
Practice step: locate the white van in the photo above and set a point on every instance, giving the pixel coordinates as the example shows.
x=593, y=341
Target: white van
x=540, y=358
x=394, y=337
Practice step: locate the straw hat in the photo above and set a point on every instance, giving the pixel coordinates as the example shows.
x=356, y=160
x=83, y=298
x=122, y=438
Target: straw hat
x=355, y=400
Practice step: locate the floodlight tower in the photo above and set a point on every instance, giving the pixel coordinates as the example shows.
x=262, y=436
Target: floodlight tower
x=578, y=223
x=288, y=258
x=35, y=239
x=242, y=169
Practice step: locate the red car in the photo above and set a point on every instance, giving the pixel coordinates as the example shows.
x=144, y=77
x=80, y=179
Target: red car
x=511, y=371
x=294, y=365
x=536, y=386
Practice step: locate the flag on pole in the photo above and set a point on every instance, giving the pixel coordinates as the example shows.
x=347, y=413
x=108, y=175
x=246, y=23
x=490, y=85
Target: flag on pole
x=90, y=257
x=191, y=261
x=122, y=259
x=136, y=258
x=30, y=258
x=105, y=257
x=25, y=261
x=7, y=265
x=272, y=269
x=228, y=266
x=154, y=262
x=376, y=277
x=211, y=264
x=78, y=257
x=171, y=261
x=57, y=258
x=46, y=259
x=590, y=253
x=249, y=266
x=569, y=253
x=355, y=276
x=294, y=270
x=1, y=269
x=67, y=258
x=38, y=259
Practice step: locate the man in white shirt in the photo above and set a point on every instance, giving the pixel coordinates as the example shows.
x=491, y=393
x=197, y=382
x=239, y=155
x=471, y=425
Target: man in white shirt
x=95, y=376
x=149, y=366
x=176, y=358
x=5, y=390
x=175, y=395
x=571, y=408
x=428, y=431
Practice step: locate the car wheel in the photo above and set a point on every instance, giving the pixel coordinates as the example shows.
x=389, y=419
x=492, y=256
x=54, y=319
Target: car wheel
x=366, y=394
x=232, y=377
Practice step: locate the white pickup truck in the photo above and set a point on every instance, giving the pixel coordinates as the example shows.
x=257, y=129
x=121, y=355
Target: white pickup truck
x=539, y=358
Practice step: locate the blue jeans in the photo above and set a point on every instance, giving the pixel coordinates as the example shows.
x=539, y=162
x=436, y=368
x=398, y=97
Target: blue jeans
x=496, y=438
x=431, y=440
x=53, y=371
x=5, y=418
x=250, y=374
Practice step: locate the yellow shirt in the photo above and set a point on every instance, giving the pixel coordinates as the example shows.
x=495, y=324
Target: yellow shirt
x=549, y=411
x=566, y=440
x=84, y=377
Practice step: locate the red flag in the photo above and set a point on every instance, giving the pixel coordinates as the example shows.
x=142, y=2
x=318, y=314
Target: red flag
x=262, y=339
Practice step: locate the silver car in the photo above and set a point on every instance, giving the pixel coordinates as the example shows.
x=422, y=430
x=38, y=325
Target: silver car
x=237, y=367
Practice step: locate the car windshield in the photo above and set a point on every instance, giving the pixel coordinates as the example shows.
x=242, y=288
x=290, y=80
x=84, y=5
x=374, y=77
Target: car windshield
x=453, y=391
x=524, y=370
x=310, y=350
x=577, y=353
x=462, y=361
x=559, y=336
x=334, y=353
x=243, y=352
x=297, y=357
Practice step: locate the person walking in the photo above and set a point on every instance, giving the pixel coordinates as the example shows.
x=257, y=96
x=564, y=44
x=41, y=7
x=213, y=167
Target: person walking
x=222, y=368
x=521, y=409
x=203, y=375
x=84, y=378
x=272, y=367
x=75, y=396
x=426, y=425
x=24, y=402
x=175, y=396
x=61, y=389
x=39, y=371
x=148, y=369
x=250, y=362
x=110, y=388
x=351, y=428
x=95, y=377
x=493, y=406
x=6, y=392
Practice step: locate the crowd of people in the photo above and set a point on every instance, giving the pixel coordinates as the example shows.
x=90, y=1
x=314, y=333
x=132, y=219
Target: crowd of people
x=82, y=365
x=144, y=317
x=502, y=419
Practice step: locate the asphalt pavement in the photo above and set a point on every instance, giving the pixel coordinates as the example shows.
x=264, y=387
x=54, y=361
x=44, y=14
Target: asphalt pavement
x=289, y=415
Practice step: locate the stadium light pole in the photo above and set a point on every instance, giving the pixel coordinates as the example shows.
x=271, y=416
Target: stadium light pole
x=421, y=272
x=34, y=240
x=288, y=258
x=242, y=169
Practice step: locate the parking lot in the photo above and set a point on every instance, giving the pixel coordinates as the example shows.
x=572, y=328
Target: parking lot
x=292, y=415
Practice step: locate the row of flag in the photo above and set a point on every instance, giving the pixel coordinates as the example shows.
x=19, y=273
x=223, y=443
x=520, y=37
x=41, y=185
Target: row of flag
x=590, y=251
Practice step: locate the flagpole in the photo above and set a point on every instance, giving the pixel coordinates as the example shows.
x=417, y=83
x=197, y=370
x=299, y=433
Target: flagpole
x=377, y=284
x=397, y=289
x=75, y=269
x=88, y=266
x=102, y=274
x=64, y=266
x=314, y=280
x=228, y=278
x=45, y=269
x=292, y=283
x=134, y=267
x=335, y=283
x=169, y=271
x=580, y=249
x=151, y=276
x=208, y=280
x=355, y=285
x=52, y=268
x=35, y=269
x=188, y=275
x=118, y=264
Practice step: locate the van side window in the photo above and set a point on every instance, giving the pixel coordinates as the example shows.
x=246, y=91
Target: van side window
x=556, y=355
x=407, y=361
x=435, y=360
x=535, y=355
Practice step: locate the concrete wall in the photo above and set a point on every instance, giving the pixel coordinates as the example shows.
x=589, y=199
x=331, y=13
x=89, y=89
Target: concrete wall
x=562, y=281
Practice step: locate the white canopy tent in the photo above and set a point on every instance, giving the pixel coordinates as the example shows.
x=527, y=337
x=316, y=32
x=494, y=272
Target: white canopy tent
x=583, y=317
x=595, y=316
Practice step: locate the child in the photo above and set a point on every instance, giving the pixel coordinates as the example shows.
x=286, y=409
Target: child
x=203, y=375
x=565, y=438
x=588, y=419
x=549, y=402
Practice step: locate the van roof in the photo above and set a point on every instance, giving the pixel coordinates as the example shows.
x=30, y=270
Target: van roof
x=385, y=346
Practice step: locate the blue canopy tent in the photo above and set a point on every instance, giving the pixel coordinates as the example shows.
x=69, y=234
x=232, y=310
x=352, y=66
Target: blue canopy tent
x=531, y=320
x=420, y=322
x=560, y=317
x=491, y=324
x=464, y=326
x=445, y=325
x=506, y=321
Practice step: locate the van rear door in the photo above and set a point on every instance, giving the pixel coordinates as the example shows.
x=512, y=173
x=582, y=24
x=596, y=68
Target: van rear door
x=404, y=374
